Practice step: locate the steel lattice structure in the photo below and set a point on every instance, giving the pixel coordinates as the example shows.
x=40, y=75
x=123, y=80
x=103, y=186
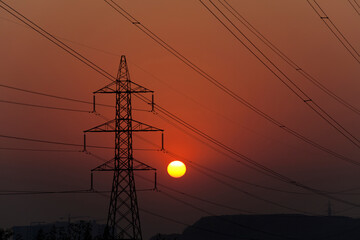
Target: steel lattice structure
x=123, y=216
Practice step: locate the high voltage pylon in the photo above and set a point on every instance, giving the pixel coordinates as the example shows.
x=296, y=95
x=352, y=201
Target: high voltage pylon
x=123, y=216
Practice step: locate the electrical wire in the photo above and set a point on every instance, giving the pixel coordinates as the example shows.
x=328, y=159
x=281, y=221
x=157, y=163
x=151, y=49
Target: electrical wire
x=291, y=85
x=55, y=40
x=332, y=27
x=42, y=106
x=216, y=142
x=167, y=47
x=111, y=78
x=232, y=186
x=190, y=226
x=20, y=193
x=294, y=183
x=251, y=195
x=198, y=198
x=287, y=129
x=38, y=150
x=51, y=142
x=215, y=178
x=283, y=56
x=202, y=210
x=58, y=97
x=273, y=174
x=52, y=96
x=56, y=192
x=223, y=218
x=236, y=179
x=178, y=222
x=247, y=104
x=355, y=6
x=150, y=74
x=63, y=150
x=276, y=175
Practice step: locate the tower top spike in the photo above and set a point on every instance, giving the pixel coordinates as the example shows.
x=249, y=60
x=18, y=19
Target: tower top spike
x=123, y=72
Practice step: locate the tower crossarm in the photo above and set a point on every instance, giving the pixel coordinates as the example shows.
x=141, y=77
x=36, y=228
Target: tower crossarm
x=109, y=166
x=136, y=127
x=143, y=127
x=105, y=127
x=135, y=88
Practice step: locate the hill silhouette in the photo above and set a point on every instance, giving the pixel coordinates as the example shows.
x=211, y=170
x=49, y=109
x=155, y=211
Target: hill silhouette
x=270, y=227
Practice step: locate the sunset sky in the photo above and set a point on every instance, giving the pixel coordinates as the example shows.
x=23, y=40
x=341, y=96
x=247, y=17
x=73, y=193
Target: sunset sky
x=94, y=29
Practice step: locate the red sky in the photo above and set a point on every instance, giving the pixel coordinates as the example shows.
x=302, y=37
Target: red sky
x=94, y=29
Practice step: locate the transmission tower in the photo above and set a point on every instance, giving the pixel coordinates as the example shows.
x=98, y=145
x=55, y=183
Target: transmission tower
x=123, y=216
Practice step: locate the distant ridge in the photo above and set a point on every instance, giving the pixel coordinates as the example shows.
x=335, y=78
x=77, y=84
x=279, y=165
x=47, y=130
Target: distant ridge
x=270, y=227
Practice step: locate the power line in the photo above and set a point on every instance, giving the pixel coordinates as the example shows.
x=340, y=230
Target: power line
x=272, y=173
x=221, y=181
x=222, y=218
x=145, y=71
x=183, y=193
x=202, y=134
x=52, y=96
x=291, y=85
x=283, y=56
x=268, y=188
x=251, y=195
x=200, y=168
x=290, y=181
x=217, y=179
x=205, y=211
x=52, y=142
x=167, y=47
x=258, y=166
x=55, y=40
x=287, y=129
x=206, y=200
x=60, y=150
x=236, y=179
x=55, y=96
x=101, y=71
x=188, y=225
x=42, y=106
x=199, y=198
x=355, y=5
x=210, y=213
x=37, y=149
x=332, y=27
x=16, y=193
x=102, y=193
x=177, y=221
x=247, y=104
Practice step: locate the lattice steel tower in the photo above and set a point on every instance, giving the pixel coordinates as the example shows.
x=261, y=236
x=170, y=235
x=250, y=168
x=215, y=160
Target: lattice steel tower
x=123, y=217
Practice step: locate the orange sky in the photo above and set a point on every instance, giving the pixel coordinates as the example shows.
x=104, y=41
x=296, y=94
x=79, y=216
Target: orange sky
x=31, y=62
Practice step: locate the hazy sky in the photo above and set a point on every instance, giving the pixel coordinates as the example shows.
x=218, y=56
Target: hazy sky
x=93, y=28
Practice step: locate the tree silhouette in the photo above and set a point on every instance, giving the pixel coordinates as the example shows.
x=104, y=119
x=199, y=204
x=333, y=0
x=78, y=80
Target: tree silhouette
x=5, y=234
x=40, y=235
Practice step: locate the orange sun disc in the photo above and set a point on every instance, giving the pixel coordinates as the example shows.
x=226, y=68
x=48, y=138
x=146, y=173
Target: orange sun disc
x=176, y=169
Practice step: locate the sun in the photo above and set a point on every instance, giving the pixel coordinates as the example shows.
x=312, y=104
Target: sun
x=176, y=169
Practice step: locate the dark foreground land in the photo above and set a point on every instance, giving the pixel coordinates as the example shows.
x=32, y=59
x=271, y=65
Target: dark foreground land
x=270, y=227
